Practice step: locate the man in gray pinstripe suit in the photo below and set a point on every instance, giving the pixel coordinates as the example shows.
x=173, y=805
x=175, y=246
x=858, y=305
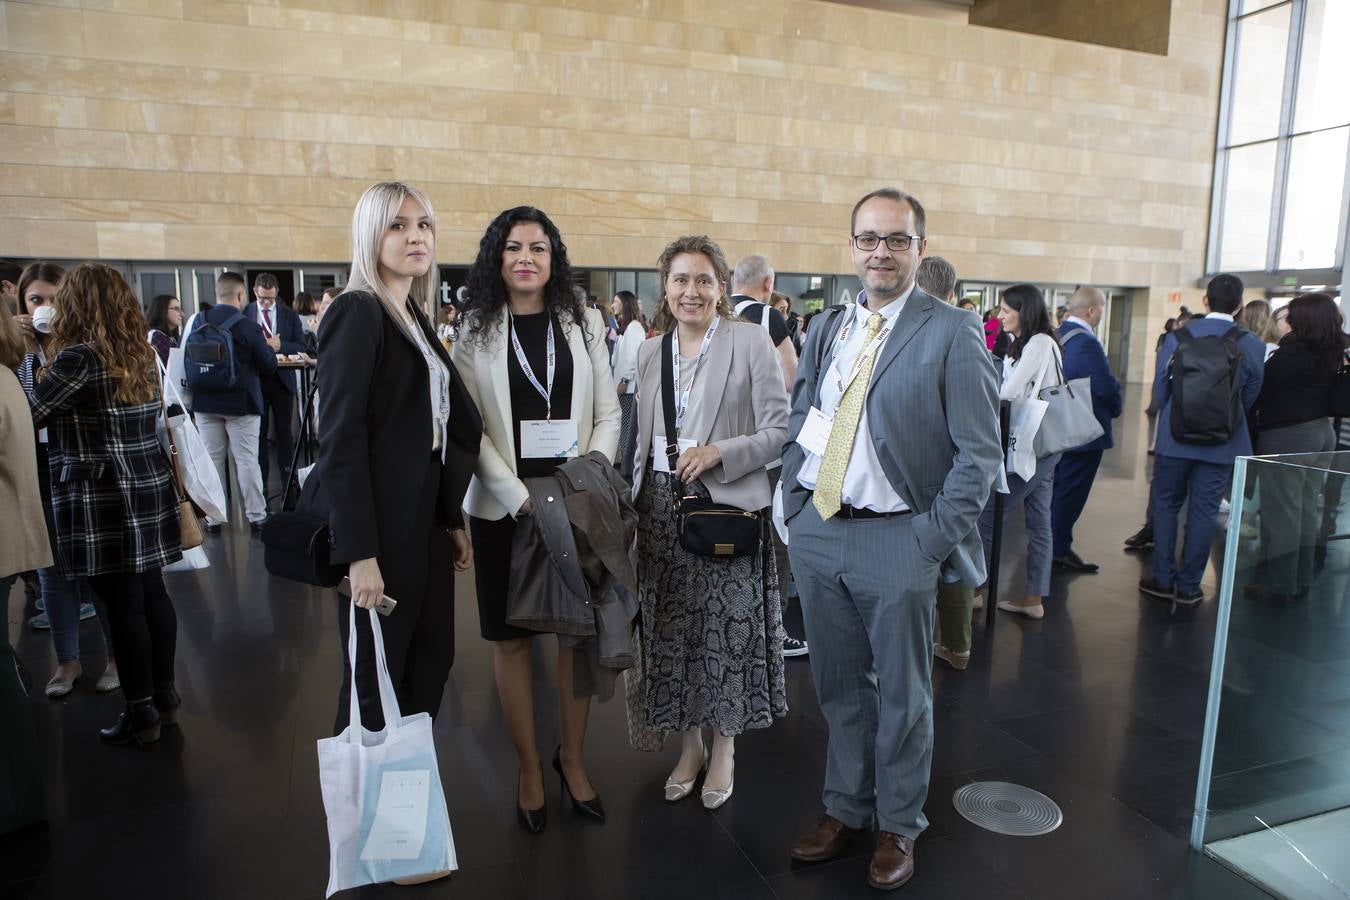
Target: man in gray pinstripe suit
x=892, y=449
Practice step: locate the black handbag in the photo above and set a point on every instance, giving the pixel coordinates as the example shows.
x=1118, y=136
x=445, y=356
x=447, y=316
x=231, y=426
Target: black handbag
x=715, y=530
x=297, y=541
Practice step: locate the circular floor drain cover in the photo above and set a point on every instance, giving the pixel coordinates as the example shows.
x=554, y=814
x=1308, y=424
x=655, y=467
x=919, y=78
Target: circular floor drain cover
x=1008, y=808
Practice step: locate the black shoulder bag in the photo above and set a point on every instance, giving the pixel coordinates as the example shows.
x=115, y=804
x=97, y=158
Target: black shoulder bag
x=716, y=530
x=297, y=540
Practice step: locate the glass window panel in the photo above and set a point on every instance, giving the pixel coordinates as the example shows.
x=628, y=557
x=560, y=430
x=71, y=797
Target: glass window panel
x=155, y=283
x=1258, y=85
x=1246, y=207
x=1253, y=5
x=206, y=288
x=1323, y=101
x=1312, y=200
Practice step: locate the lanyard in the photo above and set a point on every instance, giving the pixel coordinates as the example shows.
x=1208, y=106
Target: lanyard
x=682, y=397
x=551, y=351
x=866, y=352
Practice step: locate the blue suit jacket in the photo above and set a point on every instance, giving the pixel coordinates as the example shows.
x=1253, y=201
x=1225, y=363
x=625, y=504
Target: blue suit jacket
x=1085, y=358
x=291, y=331
x=1252, y=370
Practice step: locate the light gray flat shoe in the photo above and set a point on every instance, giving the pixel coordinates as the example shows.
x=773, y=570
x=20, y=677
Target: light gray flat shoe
x=60, y=686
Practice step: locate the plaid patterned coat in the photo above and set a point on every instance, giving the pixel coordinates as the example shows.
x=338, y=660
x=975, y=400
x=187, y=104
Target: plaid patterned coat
x=113, y=498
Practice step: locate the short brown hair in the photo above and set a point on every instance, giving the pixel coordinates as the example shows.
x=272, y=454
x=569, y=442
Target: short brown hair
x=899, y=196
x=266, y=281
x=691, y=243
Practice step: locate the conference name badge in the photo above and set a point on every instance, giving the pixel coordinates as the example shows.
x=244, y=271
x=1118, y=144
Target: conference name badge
x=815, y=434
x=548, y=438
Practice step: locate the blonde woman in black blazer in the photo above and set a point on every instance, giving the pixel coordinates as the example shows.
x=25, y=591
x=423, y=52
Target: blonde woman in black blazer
x=397, y=442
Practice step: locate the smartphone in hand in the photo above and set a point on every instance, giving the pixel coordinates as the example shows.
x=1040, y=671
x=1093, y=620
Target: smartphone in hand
x=384, y=607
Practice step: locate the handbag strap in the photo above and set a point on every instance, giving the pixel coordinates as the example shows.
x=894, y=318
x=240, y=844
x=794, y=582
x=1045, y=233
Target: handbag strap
x=668, y=389
x=388, y=699
x=168, y=432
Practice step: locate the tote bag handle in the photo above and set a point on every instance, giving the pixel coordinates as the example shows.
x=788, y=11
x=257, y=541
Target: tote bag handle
x=388, y=699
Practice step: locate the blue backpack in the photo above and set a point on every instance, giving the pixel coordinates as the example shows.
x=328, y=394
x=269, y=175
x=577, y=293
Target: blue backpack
x=208, y=357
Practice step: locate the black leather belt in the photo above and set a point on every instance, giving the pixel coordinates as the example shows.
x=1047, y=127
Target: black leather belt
x=853, y=512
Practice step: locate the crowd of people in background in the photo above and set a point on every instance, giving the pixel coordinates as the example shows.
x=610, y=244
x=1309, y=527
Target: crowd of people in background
x=857, y=514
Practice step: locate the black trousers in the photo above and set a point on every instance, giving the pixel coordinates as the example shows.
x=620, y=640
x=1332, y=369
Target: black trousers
x=279, y=414
x=144, y=627
x=419, y=635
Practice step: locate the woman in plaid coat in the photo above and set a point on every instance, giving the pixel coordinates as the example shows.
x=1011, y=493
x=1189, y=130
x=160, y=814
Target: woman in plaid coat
x=113, y=498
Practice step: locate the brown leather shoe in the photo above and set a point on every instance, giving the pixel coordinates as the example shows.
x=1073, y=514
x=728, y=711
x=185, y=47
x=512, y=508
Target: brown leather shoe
x=825, y=841
x=892, y=861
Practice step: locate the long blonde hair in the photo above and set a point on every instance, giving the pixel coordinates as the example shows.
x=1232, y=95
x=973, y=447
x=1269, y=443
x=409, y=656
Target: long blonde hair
x=374, y=213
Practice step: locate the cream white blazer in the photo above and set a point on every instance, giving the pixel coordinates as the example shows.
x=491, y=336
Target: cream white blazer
x=496, y=490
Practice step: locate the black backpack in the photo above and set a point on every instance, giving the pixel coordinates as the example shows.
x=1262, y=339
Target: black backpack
x=208, y=356
x=1206, y=387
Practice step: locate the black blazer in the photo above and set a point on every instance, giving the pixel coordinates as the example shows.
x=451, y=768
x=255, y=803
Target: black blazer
x=1295, y=389
x=375, y=429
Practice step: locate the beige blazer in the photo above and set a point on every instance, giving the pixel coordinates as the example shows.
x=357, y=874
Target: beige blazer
x=495, y=490
x=743, y=379
x=25, y=546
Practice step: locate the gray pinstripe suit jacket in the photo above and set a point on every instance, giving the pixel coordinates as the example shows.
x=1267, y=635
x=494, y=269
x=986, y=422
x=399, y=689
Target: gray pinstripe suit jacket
x=932, y=409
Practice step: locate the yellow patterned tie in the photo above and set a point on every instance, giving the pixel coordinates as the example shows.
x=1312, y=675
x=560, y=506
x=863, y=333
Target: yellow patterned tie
x=830, y=480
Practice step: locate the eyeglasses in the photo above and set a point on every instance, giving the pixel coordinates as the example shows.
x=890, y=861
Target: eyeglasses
x=897, y=242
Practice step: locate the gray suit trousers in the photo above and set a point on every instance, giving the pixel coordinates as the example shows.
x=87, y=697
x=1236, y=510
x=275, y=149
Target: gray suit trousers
x=867, y=592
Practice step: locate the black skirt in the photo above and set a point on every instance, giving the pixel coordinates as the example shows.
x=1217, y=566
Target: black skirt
x=492, y=576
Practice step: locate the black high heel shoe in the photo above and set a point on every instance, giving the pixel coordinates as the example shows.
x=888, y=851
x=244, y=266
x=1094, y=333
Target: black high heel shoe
x=532, y=820
x=593, y=807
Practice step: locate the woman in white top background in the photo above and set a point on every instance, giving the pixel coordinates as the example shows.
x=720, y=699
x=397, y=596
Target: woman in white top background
x=628, y=312
x=1033, y=362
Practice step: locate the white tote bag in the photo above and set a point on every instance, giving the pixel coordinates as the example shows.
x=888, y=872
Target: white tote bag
x=193, y=558
x=1023, y=423
x=382, y=791
x=200, y=478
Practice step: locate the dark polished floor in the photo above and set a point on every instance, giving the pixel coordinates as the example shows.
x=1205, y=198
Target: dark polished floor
x=1100, y=706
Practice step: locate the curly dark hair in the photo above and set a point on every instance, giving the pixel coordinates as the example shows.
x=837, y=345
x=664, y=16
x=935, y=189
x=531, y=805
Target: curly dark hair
x=487, y=291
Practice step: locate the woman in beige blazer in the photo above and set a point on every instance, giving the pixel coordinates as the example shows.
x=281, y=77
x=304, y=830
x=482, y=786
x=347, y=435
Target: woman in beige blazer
x=534, y=360
x=712, y=628
x=25, y=547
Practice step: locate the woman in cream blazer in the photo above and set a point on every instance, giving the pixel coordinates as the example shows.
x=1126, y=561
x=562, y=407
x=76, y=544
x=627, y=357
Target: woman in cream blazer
x=534, y=360
x=712, y=629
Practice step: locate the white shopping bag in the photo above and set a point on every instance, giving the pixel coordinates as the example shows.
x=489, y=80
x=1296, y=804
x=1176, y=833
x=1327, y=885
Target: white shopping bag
x=382, y=791
x=200, y=478
x=177, y=376
x=1023, y=424
x=193, y=558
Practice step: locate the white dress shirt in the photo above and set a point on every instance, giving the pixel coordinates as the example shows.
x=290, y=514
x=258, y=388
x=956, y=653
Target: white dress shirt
x=865, y=483
x=1084, y=323
x=268, y=330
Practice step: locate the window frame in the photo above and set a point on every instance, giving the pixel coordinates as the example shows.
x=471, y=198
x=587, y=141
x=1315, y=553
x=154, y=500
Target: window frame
x=1283, y=141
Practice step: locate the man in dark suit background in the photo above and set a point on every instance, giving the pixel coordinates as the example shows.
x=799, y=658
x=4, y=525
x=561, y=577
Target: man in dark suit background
x=1083, y=358
x=285, y=334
